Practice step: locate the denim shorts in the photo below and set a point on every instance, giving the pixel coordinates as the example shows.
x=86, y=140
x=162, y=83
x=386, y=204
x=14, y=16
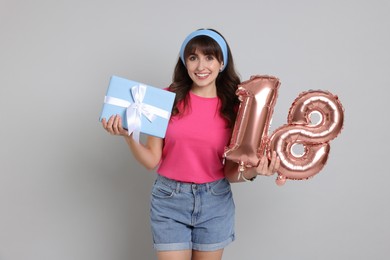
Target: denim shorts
x=191, y=216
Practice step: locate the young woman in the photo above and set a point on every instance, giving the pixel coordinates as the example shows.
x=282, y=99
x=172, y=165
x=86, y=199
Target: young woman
x=192, y=208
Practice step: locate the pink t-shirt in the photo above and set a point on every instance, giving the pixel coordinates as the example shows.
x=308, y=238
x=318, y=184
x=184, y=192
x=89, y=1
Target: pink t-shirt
x=194, y=143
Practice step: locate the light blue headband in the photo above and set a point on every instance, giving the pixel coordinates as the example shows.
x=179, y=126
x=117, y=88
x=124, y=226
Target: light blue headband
x=213, y=35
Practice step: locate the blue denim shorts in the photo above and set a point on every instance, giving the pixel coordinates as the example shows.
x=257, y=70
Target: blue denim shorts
x=191, y=216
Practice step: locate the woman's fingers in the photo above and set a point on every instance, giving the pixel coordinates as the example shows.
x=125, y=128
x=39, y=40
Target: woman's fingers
x=104, y=123
x=114, y=125
x=277, y=165
x=263, y=166
x=273, y=162
x=267, y=169
x=122, y=131
x=108, y=125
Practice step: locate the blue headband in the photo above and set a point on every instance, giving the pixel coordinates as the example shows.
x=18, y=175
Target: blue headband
x=213, y=35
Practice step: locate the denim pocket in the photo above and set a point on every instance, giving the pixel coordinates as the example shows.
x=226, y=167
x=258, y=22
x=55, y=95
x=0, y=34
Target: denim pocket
x=221, y=187
x=162, y=191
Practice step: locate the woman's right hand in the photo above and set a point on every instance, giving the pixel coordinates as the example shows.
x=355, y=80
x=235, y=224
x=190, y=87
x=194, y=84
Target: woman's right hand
x=114, y=126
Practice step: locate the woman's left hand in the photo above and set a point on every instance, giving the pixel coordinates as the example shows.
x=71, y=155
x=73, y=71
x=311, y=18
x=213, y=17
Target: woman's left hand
x=268, y=168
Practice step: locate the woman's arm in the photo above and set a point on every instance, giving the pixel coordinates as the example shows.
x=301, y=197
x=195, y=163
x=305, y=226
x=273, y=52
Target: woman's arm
x=148, y=154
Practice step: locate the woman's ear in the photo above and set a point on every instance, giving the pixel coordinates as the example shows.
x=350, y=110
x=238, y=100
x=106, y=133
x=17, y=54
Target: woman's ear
x=220, y=69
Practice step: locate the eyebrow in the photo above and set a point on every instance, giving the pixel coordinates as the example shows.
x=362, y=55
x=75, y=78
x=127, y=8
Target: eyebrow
x=203, y=53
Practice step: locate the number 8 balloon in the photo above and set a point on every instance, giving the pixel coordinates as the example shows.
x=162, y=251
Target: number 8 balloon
x=300, y=130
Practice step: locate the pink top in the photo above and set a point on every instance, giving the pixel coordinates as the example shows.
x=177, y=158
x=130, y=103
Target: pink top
x=194, y=143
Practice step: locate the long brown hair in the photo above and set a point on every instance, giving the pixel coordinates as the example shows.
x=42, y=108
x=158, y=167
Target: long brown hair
x=226, y=82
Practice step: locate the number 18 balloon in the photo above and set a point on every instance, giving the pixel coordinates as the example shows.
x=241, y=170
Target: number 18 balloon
x=249, y=141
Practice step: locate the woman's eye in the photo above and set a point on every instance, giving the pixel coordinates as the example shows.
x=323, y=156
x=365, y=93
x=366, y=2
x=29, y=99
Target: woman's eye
x=192, y=58
x=210, y=57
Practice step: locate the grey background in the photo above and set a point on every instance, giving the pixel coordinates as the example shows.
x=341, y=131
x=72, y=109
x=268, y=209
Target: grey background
x=68, y=190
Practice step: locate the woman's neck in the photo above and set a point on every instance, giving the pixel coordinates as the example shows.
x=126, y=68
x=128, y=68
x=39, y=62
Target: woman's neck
x=207, y=92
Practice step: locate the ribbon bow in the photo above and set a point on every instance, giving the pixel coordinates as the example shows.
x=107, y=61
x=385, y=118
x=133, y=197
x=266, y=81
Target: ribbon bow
x=135, y=110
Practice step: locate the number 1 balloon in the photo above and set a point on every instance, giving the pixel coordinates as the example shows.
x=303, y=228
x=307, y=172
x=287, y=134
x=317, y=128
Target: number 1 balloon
x=249, y=138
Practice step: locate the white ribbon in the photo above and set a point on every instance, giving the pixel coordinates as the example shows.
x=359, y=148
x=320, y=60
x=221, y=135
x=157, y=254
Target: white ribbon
x=135, y=110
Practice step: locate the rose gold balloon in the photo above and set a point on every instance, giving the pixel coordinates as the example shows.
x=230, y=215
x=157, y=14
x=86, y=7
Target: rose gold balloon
x=249, y=138
x=313, y=136
x=232, y=171
x=280, y=180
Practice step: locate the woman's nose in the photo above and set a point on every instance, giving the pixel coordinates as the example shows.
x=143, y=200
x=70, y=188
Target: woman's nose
x=201, y=64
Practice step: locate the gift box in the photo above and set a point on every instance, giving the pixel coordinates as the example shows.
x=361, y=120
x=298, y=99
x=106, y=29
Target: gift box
x=143, y=108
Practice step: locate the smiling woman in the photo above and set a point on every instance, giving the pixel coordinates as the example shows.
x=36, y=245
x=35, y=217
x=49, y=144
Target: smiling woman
x=192, y=207
x=211, y=45
x=203, y=70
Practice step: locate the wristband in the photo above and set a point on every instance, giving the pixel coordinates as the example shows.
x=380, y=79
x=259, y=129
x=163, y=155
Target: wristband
x=241, y=174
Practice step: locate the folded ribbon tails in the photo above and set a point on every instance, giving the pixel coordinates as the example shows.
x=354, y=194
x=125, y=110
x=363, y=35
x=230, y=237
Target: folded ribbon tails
x=135, y=110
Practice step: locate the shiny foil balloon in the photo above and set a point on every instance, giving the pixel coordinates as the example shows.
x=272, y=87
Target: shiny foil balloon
x=249, y=138
x=314, y=137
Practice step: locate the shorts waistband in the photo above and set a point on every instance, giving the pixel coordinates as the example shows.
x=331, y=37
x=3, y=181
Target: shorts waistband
x=186, y=186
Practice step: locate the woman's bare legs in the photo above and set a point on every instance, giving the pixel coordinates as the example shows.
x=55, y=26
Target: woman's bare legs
x=174, y=255
x=190, y=255
x=205, y=255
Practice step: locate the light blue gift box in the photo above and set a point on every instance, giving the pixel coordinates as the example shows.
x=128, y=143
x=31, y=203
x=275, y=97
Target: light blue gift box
x=121, y=88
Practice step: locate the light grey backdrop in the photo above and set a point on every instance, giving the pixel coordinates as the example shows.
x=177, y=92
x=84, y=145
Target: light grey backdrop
x=68, y=190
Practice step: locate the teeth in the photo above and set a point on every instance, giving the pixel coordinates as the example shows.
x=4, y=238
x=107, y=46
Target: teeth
x=202, y=75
